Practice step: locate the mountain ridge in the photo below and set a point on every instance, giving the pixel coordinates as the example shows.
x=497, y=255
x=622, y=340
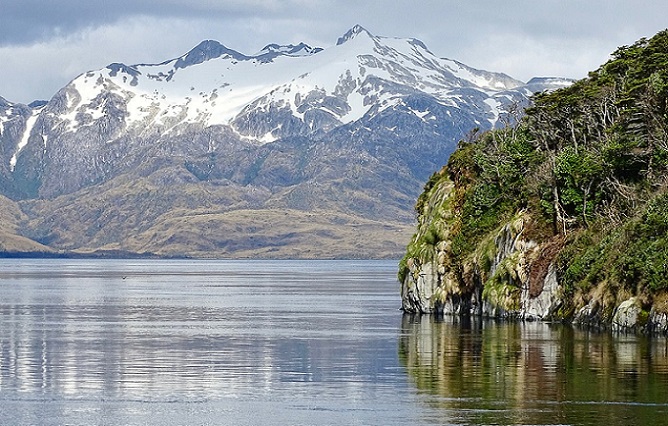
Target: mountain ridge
x=352, y=129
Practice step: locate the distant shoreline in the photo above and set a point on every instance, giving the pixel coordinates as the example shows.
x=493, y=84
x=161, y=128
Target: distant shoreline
x=131, y=255
x=72, y=255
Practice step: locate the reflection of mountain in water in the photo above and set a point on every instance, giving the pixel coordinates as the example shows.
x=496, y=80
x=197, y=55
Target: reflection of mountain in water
x=533, y=373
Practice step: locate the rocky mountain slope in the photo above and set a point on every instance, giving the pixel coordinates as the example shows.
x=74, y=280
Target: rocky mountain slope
x=563, y=217
x=218, y=153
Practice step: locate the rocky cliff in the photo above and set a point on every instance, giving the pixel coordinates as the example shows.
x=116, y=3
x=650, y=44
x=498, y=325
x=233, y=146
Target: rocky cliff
x=563, y=217
x=513, y=276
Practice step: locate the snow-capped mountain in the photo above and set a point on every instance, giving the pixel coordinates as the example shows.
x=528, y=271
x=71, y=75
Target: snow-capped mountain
x=288, y=120
x=215, y=85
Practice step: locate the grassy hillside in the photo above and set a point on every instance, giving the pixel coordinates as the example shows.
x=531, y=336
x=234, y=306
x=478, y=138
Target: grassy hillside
x=184, y=219
x=12, y=221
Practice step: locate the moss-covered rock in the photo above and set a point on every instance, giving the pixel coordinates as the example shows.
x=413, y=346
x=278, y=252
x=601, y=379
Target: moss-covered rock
x=564, y=216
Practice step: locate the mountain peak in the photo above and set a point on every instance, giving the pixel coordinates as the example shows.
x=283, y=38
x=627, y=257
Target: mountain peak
x=206, y=50
x=352, y=33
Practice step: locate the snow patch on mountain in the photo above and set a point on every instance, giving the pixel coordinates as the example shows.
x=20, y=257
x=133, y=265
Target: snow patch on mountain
x=538, y=84
x=495, y=108
x=215, y=85
x=486, y=80
x=30, y=123
x=7, y=116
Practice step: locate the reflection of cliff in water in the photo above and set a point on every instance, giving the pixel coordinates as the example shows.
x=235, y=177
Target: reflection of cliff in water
x=508, y=372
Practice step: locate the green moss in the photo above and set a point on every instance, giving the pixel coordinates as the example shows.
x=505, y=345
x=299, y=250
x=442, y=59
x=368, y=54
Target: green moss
x=501, y=288
x=485, y=253
x=643, y=318
x=433, y=213
x=501, y=294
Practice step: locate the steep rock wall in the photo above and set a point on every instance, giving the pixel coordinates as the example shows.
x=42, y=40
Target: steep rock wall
x=431, y=286
x=511, y=276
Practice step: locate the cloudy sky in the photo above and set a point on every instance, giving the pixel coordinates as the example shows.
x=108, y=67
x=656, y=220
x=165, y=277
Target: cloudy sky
x=46, y=43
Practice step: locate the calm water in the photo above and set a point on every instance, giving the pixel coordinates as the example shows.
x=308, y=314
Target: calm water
x=293, y=343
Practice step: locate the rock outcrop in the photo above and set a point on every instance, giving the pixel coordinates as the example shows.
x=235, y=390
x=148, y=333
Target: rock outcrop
x=522, y=283
x=506, y=290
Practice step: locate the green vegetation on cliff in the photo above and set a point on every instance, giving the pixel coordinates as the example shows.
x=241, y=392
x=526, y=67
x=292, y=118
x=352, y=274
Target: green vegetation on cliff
x=586, y=170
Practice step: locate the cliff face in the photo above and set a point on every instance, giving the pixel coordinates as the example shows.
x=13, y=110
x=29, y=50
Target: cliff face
x=508, y=275
x=514, y=276
x=563, y=217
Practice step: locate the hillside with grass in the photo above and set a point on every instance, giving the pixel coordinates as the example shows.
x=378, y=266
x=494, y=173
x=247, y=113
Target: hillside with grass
x=563, y=216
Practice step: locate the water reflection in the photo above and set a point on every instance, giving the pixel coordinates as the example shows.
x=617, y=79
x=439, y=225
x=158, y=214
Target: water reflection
x=150, y=352
x=534, y=373
x=181, y=343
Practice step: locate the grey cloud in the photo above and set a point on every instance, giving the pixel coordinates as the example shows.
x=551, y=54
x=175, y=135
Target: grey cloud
x=27, y=21
x=44, y=40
